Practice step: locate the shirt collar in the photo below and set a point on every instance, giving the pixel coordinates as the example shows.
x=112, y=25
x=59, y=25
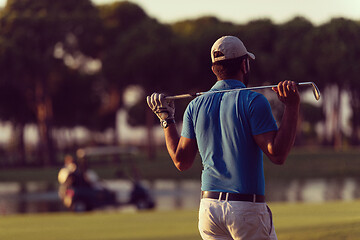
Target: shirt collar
x=227, y=84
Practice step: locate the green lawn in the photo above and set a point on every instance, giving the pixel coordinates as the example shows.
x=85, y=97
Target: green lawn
x=330, y=221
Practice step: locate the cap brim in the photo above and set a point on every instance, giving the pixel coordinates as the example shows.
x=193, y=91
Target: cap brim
x=252, y=56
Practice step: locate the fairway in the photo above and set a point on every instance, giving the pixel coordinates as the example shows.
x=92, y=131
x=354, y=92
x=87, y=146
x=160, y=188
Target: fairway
x=330, y=221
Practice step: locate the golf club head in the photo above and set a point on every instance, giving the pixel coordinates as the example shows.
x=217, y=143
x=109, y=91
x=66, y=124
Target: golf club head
x=315, y=89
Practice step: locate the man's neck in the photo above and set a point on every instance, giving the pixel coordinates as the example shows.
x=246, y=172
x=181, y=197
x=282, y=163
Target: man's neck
x=241, y=79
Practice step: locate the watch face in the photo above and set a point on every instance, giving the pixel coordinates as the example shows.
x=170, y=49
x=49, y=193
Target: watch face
x=164, y=123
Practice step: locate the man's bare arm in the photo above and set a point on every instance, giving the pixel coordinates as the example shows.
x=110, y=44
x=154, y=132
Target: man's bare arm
x=182, y=150
x=277, y=144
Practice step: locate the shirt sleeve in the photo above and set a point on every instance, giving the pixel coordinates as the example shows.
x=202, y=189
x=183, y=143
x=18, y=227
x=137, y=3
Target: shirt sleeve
x=188, y=129
x=261, y=117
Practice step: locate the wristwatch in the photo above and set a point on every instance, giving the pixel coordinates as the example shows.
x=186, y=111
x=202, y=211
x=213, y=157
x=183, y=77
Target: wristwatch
x=165, y=123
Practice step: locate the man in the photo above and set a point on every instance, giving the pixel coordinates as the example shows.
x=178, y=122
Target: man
x=231, y=130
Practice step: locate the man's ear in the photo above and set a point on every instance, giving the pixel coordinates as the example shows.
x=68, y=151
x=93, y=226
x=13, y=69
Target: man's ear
x=245, y=66
x=213, y=70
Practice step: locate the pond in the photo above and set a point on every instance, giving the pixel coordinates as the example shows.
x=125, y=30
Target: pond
x=43, y=197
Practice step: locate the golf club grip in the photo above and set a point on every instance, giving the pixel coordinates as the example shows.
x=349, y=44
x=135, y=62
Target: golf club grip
x=304, y=83
x=182, y=96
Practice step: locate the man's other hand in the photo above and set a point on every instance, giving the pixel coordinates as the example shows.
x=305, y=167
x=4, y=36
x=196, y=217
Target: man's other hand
x=164, y=109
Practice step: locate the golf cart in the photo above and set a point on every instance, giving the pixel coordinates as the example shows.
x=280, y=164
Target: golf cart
x=80, y=189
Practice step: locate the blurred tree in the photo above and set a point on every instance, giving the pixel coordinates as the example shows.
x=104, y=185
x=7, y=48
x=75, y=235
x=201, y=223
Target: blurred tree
x=335, y=58
x=15, y=108
x=291, y=50
x=194, y=39
x=30, y=31
x=117, y=18
x=291, y=56
x=137, y=50
x=75, y=100
x=352, y=79
x=259, y=37
x=310, y=115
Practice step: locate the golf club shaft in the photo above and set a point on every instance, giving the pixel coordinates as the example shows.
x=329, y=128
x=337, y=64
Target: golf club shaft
x=182, y=96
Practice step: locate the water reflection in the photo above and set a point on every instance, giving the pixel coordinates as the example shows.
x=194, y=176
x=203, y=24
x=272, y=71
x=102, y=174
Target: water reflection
x=313, y=190
x=43, y=197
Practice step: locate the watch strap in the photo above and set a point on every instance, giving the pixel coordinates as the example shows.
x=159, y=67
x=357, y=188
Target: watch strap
x=165, y=123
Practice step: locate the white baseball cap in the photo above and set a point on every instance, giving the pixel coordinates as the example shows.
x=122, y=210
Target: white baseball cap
x=228, y=47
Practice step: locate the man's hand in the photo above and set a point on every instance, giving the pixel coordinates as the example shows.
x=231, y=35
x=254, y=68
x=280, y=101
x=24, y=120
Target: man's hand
x=164, y=109
x=287, y=92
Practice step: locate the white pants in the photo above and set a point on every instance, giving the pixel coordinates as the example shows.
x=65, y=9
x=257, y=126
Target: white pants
x=235, y=220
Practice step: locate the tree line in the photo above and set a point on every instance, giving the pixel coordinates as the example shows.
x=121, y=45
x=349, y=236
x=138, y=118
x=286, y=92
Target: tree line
x=67, y=63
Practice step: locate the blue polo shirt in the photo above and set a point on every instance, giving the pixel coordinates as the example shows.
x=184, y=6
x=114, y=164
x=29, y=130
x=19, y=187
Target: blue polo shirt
x=223, y=125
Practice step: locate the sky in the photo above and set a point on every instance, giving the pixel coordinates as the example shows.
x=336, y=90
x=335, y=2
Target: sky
x=241, y=11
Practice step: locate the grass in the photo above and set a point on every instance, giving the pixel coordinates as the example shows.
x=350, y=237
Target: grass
x=330, y=221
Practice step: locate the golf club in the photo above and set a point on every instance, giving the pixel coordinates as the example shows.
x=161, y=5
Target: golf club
x=188, y=95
